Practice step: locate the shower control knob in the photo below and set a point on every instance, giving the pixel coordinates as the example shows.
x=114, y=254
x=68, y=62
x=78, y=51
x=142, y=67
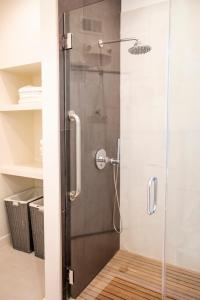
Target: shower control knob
x=101, y=159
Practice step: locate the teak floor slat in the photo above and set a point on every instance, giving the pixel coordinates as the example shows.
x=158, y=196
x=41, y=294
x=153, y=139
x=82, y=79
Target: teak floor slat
x=133, y=277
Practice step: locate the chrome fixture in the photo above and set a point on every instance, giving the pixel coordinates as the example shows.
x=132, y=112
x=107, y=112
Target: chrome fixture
x=74, y=117
x=152, y=204
x=102, y=43
x=67, y=41
x=102, y=159
x=137, y=48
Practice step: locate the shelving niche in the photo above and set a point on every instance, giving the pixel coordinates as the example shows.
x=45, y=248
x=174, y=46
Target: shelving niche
x=11, y=79
x=20, y=124
x=21, y=165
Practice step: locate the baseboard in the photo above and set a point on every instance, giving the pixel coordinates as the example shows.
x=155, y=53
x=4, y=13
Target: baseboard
x=5, y=240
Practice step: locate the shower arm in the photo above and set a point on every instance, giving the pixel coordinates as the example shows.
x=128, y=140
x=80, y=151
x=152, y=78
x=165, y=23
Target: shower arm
x=102, y=43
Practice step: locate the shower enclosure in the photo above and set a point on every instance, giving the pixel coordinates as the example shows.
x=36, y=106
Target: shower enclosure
x=129, y=69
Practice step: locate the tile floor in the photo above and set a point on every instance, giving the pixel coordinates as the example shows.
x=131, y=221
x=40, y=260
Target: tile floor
x=21, y=275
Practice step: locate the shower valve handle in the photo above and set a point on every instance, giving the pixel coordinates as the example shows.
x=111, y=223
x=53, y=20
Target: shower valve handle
x=102, y=159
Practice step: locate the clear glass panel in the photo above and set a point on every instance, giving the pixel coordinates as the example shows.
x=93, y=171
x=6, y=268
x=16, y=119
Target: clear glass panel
x=183, y=189
x=93, y=93
x=122, y=76
x=143, y=136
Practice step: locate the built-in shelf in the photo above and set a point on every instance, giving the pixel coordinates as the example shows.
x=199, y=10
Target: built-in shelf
x=29, y=171
x=27, y=69
x=20, y=107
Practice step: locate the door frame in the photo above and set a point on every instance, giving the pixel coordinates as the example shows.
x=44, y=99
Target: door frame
x=51, y=148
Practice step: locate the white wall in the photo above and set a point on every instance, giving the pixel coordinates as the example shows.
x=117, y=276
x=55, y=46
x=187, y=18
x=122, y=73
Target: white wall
x=183, y=199
x=19, y=32
x=51, y=163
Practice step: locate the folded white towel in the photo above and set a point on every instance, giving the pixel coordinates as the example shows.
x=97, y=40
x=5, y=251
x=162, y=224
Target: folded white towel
x=30, y=88
x=29, y=94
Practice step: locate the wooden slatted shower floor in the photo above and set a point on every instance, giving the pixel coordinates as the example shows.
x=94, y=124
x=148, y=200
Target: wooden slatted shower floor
x=132, y=277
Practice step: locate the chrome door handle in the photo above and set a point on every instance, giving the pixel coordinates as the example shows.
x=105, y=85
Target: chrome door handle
x=74, y=117
x=151, y=207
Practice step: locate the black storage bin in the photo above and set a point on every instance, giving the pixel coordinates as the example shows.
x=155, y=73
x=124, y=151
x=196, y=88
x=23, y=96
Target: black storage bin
x=37, y=223
x=17, y=207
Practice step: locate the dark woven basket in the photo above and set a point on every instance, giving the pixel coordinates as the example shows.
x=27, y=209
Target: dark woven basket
x=17, y=207
x=37, y=223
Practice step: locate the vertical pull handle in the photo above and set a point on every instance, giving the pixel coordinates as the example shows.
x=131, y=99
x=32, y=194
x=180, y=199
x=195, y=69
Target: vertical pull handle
x=74, y=117
x=152, y=193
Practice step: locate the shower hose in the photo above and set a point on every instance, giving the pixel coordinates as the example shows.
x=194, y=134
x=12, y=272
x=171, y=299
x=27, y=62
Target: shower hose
x=116, y=201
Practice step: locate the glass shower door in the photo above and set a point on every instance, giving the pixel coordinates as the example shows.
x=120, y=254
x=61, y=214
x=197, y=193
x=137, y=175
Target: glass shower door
x=116, y=88
x=143, y=144
x=92, y=93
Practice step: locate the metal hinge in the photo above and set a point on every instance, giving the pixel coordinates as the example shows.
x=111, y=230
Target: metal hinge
x=67, y=41
x=71, y=276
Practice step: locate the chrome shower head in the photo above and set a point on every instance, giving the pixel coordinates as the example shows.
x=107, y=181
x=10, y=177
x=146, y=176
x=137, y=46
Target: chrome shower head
x=138, y=49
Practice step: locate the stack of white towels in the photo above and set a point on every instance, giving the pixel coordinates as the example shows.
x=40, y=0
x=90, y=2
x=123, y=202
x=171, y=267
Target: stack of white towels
x=29, y=94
